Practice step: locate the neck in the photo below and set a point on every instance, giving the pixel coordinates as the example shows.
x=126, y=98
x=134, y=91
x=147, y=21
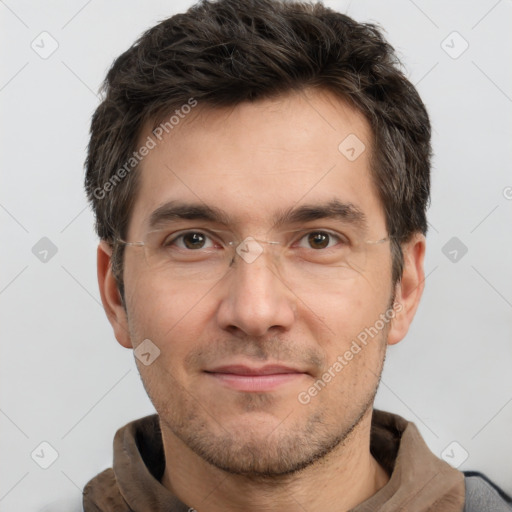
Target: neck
x=347, y=476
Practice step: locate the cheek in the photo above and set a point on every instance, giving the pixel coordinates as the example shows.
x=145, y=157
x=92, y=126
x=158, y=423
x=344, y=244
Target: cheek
x=356, y=306
x=355, y=347
x=171, y=316
x=355, y=353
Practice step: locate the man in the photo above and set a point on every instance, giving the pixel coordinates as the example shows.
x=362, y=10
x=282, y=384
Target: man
x=259, y=171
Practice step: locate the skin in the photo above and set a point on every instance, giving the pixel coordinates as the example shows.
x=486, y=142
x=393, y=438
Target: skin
x=254, y=451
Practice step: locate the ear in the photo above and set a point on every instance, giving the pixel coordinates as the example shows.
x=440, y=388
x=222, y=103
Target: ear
x=409, y=289
x=110, y=296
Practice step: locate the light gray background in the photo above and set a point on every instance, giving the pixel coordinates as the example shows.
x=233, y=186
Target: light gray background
x=64, y=378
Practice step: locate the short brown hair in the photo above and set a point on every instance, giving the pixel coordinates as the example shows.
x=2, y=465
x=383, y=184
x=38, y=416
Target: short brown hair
x=225, y=52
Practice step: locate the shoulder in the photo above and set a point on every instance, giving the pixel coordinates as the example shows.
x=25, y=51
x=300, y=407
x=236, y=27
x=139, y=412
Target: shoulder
x=482, y=495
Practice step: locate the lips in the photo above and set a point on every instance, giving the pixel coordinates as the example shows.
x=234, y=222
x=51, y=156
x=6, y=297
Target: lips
x=247, y=370
x=255, y=379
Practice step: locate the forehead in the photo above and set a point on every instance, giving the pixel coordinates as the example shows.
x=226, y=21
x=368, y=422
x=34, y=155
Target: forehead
x=256, y=159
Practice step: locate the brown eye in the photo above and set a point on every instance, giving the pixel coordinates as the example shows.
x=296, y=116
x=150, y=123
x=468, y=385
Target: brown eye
x=319, y=240
x=194, y=240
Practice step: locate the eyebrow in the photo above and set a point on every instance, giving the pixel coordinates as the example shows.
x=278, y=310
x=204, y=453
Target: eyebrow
x=334, y=209
x=174, y=210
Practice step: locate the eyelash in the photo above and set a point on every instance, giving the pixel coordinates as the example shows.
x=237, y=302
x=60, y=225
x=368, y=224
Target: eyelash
x=172, y=239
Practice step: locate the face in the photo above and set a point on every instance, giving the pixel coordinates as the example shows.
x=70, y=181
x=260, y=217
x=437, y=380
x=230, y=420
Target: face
x=258, y=372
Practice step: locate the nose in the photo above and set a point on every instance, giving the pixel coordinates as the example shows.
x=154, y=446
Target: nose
x=255, y=300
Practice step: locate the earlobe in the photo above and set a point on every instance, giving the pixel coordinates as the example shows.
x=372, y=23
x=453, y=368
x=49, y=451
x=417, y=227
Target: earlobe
x=409, y=289
x=110, y=296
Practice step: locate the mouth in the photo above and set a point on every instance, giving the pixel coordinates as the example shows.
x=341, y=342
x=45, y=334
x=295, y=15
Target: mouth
x=255, y=379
